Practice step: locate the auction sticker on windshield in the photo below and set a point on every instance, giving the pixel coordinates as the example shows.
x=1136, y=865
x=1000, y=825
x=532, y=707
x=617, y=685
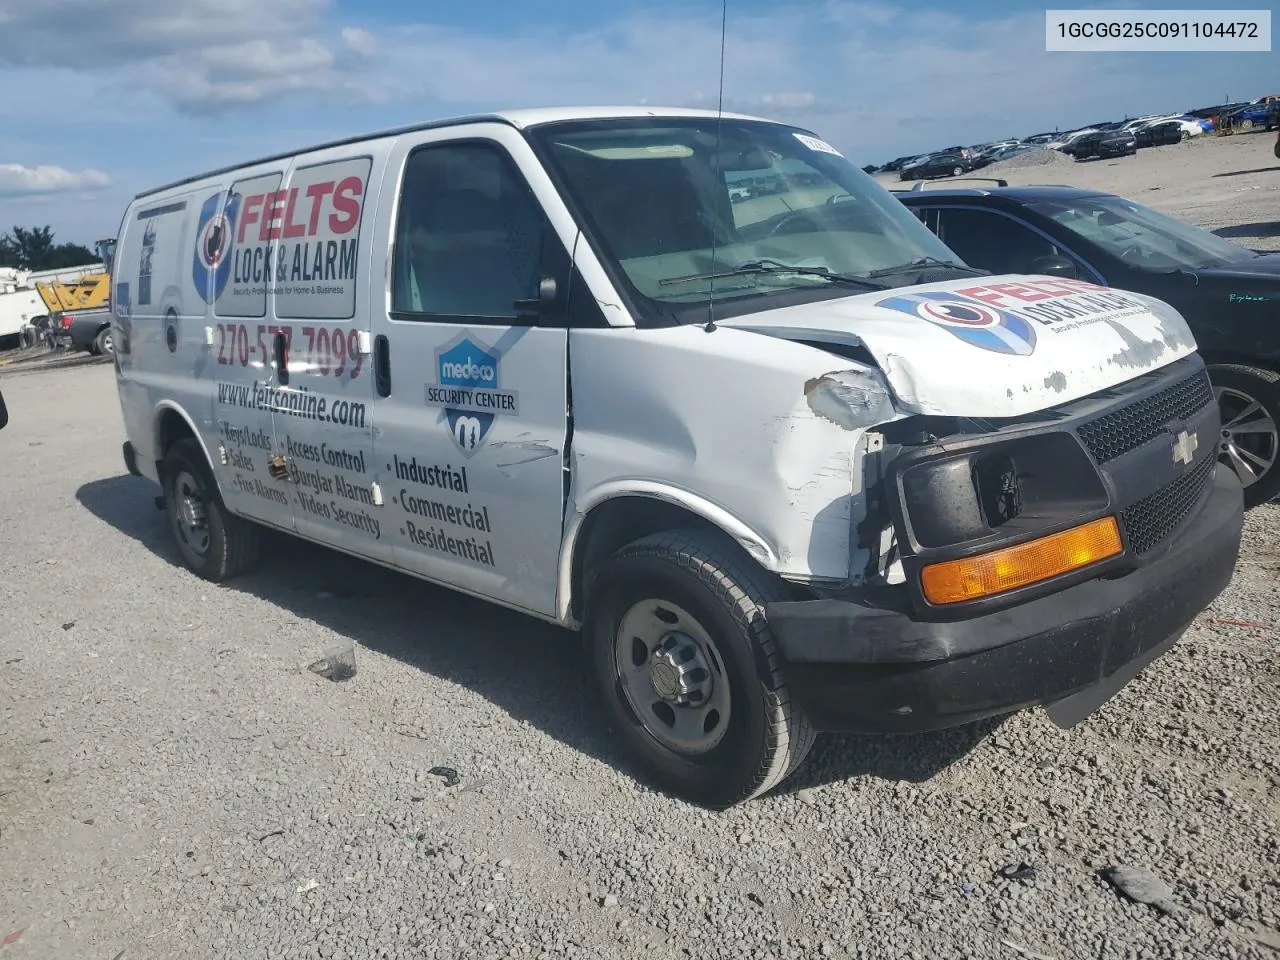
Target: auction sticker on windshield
x=813, y=143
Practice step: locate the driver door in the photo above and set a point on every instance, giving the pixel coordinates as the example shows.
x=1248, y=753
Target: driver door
x=471, y=367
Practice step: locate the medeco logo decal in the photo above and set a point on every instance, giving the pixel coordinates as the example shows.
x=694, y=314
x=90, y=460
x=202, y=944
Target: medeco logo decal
x=972, y=321
x=468, y=389
x=211, y=264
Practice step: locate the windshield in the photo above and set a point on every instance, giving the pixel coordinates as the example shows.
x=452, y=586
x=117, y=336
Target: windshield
x=655, y=195
x=1140, y=236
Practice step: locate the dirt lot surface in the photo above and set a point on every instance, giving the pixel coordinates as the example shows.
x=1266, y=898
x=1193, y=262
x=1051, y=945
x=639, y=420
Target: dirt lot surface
x=174, y=783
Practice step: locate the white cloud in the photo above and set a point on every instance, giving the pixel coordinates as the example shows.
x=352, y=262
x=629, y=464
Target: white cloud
x=200, y=55
x=18, y=180
x=360, y=42
x=124, y=31
x=871, y=76
x=789, y=101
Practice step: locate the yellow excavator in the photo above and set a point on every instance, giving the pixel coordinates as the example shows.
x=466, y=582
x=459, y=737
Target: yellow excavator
x=80, y=311
x=90, y=291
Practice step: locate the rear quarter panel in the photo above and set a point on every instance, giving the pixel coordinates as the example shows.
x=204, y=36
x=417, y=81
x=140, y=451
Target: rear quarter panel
x=153, y=290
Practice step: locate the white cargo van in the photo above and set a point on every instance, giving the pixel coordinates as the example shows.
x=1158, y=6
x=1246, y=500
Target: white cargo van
x=698, y=386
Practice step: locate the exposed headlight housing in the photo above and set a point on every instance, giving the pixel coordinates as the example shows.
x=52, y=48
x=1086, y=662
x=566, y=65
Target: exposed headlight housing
x=851, y=399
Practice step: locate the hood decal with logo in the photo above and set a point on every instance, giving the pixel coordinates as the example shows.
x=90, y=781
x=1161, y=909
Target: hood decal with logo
x=992, y=346
x=970, y=320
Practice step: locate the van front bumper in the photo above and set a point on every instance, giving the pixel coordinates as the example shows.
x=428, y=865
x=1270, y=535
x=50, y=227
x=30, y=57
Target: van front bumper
x=860, y=669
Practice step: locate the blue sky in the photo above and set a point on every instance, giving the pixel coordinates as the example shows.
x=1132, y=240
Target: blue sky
x=152, y=90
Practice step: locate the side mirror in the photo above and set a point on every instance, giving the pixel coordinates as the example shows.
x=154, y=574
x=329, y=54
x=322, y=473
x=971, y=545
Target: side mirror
x=545, y=300
x=4, y=413
x=1053, y=266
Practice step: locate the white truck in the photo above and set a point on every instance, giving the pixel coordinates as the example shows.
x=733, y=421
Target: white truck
x=786, y=462
x=20, y=307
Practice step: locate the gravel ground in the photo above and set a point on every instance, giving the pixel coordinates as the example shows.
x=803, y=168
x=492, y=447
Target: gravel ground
x=174, y=781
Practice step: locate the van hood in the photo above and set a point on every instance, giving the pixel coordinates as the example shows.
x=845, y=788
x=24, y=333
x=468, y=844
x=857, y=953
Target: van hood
x=991, y=346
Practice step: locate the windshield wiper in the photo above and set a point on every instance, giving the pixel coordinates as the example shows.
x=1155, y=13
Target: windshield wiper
x=772, y=267
x=924, y=262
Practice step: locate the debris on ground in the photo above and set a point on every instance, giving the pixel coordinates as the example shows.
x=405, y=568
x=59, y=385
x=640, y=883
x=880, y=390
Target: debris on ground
x=448, y=774
x=1023, y=872
x=337, y=664
x=1142, y=886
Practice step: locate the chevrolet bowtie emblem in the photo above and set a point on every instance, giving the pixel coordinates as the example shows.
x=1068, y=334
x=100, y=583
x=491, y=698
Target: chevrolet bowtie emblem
x=1184, y=447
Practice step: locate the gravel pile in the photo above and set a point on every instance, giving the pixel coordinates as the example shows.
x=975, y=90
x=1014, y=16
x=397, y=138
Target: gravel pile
x=1032, y=158
x=175, y=783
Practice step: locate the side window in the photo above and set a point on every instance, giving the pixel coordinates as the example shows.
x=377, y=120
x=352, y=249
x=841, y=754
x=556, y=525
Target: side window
x=469, y=235
x=927, y=215
x=993, y=241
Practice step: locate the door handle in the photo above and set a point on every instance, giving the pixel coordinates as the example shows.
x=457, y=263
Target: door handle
x=280, y=348
x=382, y=365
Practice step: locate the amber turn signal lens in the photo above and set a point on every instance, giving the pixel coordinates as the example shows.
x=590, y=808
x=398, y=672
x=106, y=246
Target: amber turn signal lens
x=972, y=578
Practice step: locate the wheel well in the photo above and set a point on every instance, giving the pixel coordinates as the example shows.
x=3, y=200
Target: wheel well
x=622, y=520
x=1213, y=359
x=172, y=429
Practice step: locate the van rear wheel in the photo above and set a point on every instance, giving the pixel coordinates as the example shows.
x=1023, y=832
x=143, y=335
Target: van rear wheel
x=215, y=544
x=688, y=670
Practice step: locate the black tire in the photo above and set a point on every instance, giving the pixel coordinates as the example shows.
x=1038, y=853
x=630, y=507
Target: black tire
x=232, y=541
x=103, y=344
x=766, y=735
x=956, y=171
x=1235, y=386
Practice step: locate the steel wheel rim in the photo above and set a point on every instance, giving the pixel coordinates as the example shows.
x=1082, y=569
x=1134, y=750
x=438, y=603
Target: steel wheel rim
x=1250, y=442
x=108, y=344
x=190, y=515
x=672, y=676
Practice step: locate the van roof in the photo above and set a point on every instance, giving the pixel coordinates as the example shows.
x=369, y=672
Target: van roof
x=520, y=119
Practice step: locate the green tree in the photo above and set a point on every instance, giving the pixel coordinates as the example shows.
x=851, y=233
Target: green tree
x=32, y=248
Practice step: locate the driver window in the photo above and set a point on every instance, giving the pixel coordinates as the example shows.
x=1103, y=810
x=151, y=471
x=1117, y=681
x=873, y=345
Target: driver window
x=993, y=241
x=469, y=235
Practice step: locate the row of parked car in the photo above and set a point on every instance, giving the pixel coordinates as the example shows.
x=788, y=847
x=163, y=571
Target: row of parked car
x=1116, y=138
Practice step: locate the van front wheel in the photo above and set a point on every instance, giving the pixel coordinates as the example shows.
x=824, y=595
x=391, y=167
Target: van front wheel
x=215, y=544
x=688, y=669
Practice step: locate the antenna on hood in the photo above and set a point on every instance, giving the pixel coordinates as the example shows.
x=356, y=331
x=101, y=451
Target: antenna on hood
x=715, y=231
